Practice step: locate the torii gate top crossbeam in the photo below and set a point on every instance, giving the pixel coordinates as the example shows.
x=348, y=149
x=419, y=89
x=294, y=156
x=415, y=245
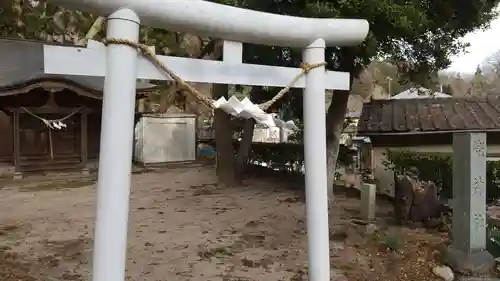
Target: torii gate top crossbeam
x=231, y=23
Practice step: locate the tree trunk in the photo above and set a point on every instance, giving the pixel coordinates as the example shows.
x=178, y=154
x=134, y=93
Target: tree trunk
x=94, y=30
x=335, y=118
x=224, y=141
x=246, y=141
x=166, y=98
x=244, y=149
x=334, y=123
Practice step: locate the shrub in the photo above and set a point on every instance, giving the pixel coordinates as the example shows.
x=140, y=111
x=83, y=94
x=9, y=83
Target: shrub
x=286, y=156
x=438, y=168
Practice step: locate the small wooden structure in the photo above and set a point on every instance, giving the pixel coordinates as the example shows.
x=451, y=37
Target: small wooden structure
x=29, y=144
x=35, y=146
x=30, y=101
x=469, y=128
x=425, y=126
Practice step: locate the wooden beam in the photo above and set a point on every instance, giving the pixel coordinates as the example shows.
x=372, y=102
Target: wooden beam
x=83, y=140
x=84, y=136
x=60, y=60
x=16, y=141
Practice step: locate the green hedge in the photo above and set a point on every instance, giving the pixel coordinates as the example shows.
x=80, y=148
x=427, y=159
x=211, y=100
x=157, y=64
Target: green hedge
x=286, y=156
x=438, y=167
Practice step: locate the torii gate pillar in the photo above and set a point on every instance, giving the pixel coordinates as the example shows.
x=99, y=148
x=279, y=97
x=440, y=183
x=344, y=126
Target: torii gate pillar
x=115, y=156
x=315, y=164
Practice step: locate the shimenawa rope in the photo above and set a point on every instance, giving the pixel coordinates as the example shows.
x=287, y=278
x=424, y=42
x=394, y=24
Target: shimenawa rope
x=52, y=124
x=146, y=52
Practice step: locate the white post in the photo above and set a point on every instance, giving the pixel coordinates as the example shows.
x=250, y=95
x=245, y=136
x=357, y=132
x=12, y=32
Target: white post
x=232, y=52
x=282, y=135
x=115, y=157
x=368, y=201
x=315, y=164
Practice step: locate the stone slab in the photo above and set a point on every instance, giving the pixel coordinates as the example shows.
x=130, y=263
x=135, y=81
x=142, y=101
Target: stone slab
x=476, y=262
x=368, y=201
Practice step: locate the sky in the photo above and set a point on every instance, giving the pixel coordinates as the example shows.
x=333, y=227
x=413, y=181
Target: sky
x=482, y=44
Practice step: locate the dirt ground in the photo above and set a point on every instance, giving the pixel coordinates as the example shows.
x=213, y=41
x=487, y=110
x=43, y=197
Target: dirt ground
x=182, y=227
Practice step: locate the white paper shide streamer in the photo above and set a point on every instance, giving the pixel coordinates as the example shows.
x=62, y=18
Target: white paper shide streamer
x=54, y=124
x=246, y=109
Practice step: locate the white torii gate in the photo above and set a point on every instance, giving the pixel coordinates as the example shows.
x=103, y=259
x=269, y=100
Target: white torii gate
x=121, y=66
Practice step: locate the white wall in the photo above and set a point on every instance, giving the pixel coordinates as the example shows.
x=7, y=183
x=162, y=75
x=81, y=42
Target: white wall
x=163, y=138
x=271, y=134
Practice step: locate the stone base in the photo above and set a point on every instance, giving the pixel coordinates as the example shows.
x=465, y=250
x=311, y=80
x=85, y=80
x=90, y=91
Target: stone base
x=6, y=170
x=474, y=263
x=85, y=172
x=17, y=176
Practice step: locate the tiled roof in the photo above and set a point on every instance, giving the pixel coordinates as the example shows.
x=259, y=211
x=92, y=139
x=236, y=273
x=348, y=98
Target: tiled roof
x=414, y=116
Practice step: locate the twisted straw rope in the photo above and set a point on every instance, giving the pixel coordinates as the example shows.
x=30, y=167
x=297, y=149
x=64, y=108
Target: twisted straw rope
x=146, y=52
x=49, y=122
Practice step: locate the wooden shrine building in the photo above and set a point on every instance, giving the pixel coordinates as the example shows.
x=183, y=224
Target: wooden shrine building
x=46, y=122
